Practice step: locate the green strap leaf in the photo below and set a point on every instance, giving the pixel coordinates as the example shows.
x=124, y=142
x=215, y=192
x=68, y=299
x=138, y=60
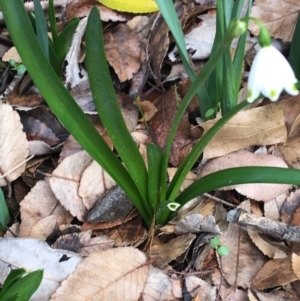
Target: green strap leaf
x=108, y=107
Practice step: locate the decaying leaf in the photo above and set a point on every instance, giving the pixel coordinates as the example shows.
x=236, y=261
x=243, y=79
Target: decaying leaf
x=243, y=130
x=14, y=145
x=106, y=276
x=279, y=16
x=112, y=206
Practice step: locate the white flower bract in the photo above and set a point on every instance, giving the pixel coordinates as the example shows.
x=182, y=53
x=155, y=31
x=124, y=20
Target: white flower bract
x=270, y=74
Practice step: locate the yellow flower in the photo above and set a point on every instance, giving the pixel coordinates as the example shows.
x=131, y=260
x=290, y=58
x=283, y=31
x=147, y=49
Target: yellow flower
x=270, y=74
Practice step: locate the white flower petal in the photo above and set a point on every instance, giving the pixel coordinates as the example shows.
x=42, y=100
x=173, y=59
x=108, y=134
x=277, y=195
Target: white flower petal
x=270, y=74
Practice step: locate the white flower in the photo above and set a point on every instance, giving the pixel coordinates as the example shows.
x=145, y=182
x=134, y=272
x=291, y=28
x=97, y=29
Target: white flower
x=270, y=74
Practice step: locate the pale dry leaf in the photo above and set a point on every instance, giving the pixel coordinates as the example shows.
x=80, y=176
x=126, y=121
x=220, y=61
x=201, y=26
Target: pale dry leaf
x=279, y=16
x=38, y=204
x=158, y=286
x=65, y=182
x=272, y=208
x=106, y=276
x=251, y=296
x=243, y=130
x=244, y=259
x=270, y=249
x=260, y=192
x=44, y=227
x=200, y=40
x=12, y=54
x=13, y=145
x=95, y=181
x=33, y=254
x=122, y=48
x=296, y=265
x=189, y=179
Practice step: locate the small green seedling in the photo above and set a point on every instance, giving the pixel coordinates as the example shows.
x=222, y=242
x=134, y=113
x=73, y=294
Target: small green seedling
x=221, y=250
x=20, y=285
x=21, y=69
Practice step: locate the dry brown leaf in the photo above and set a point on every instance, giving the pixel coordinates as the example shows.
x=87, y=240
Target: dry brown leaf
x=65, y=182
x=158, y=47
x=244, y=259
x=171, y=250
x=14, y=145
x=260, y=192
x=38, y=204
x=162, y=121
x=275, y=272
x=106, y=276
x=122, y=48
x=296, y=265
x=148, y=109
x=279, y=16
x=277, y=295
x=269, y=248
x=126, y=234
x=243, y=130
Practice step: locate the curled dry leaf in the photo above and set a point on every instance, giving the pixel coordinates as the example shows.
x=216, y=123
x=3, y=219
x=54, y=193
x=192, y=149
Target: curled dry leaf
x=122, y=48
x=33, y=214
x=260, y=192
x=243, y=130
x=107, y=276
x=279, y=16
x=13, y=145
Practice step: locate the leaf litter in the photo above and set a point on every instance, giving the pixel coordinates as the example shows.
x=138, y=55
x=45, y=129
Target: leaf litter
x=99, y=252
